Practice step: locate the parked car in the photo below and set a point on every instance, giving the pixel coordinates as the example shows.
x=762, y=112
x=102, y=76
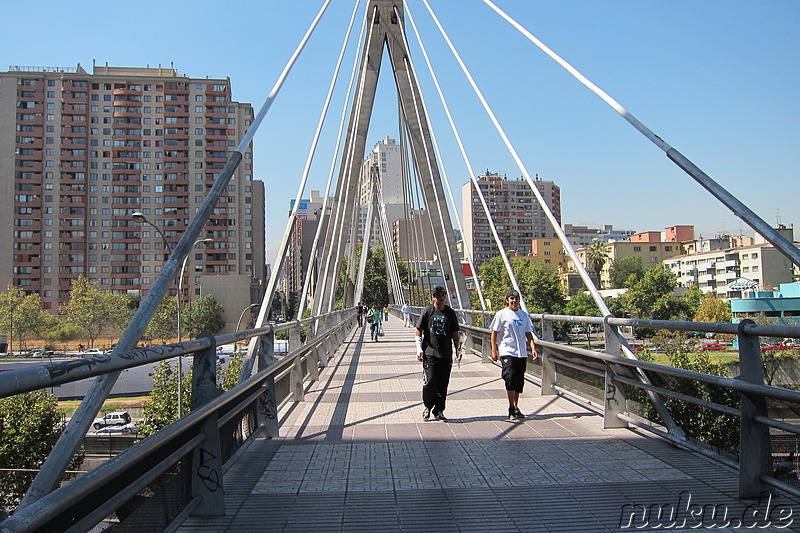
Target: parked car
x=118, y=418
x=777, y=346
x=636, y=346
x=710, y=347
x=577, y=330
x=127, y=429
x=91, y=352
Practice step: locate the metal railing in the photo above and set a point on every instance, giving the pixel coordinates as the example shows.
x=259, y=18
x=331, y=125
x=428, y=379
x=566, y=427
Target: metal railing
x=178, y=471
x=608, y=378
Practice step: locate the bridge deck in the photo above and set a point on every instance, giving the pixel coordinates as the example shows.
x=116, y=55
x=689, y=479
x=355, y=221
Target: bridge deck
x=356, y=455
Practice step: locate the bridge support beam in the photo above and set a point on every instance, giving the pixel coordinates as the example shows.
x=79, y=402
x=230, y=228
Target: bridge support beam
x=615, y=401
x=386, y=30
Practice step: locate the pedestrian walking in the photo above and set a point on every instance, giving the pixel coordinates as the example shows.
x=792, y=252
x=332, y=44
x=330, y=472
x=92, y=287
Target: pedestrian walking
x=436, y=336
x=360, y=314
x=513, y=327
x=374, y=320
x=406, y=309
x=386, y=312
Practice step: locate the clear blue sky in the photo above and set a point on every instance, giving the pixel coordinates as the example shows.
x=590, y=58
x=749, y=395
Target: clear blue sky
x=716, y=80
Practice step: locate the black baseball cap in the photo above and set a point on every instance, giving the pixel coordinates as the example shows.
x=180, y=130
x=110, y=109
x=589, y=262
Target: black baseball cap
x=511, y=293
x=439, y=290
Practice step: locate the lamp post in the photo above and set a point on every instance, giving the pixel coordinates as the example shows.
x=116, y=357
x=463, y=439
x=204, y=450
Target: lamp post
x=138, y=216
x=206, y=242
x=241, y=317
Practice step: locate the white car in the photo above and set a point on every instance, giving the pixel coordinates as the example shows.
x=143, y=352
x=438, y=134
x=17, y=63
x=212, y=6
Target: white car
x=119, y=418
x=91, y=352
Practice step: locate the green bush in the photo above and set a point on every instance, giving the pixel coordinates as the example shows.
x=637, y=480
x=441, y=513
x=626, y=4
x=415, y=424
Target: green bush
x=700, y=423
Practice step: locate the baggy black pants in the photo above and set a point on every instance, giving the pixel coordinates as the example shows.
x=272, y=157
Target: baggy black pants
x=435, y=379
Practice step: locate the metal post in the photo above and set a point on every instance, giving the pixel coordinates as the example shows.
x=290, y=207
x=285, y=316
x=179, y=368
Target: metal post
x=206, y=475
x=296, y=381
x=313, y=362
x=615, y=400
x=755, y=452
x=548, y=368
x=486, y=347
x=268, y=405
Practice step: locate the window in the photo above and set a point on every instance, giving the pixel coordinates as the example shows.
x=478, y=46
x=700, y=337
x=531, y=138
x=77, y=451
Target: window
x=637, y=248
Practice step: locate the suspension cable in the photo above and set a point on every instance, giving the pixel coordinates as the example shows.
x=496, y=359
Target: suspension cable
x=439, y=156
x=336, y=243
x=471, y=174
x=281, y=257
x=731, y=202
x=324, y=210
x=439, y=201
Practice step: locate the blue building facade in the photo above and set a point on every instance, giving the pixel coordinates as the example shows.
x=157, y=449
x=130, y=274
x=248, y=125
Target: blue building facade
x=782, y=306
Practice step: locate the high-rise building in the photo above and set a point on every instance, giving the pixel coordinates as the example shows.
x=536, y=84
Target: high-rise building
x=81, y=152
x=517, y=215
x=298, y=254
x=383, y=164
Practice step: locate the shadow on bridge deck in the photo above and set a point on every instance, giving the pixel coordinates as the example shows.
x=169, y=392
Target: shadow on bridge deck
x=356, y=456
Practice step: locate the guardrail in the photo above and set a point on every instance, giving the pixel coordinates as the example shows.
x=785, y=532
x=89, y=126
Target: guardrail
x=609, y=378
x=179, y=471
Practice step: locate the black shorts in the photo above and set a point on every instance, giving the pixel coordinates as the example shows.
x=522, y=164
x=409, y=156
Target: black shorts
x=513, y=372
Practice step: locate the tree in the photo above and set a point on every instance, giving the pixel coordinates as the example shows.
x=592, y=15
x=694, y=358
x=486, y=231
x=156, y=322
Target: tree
x=538, y=283
x=202, y=316
x=653, y=296
x=626, y=271
x=582, y=304
x=692, y=298
x=597, y=255
x=162, y=408
x=713, y=309
x=21, y=315
x=92, y=309
x=29, y=428
x=164, y=323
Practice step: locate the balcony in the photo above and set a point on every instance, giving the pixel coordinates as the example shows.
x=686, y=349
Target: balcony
x=125, y=92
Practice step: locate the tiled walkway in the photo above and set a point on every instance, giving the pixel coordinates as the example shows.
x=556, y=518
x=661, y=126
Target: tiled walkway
x=357, y=456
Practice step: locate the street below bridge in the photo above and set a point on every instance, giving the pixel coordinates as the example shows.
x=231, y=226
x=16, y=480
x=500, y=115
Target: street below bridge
x=356, y=455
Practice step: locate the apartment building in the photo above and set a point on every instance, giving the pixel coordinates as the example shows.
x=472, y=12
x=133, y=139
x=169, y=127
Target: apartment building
x=717, y=270
x=383, y=165
x=515, y=211
x=729, y=265
x=81, y=152
x=651, y=254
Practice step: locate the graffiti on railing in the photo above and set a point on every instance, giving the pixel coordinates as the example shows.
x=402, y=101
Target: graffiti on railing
x=267, y=406
x=57, y=370
x=206, y=471
x=611, y=395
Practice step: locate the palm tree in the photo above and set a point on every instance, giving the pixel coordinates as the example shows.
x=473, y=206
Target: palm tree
x=597, y=255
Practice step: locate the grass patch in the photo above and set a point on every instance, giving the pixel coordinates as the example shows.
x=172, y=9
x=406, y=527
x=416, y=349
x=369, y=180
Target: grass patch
x=68, y=407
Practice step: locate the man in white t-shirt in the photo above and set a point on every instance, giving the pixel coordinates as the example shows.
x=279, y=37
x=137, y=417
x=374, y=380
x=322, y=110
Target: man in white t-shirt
x=513, y=326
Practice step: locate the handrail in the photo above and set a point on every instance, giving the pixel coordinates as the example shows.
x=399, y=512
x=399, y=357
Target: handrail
x=119, y=479
x=755, y=470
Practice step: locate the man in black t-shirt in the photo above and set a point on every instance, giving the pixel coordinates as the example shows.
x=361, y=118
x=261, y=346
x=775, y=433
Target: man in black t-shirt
x=437, y=333
x=360, y=314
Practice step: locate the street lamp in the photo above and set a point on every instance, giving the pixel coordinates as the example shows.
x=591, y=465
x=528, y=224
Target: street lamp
x=206, y=242
x=241, y=317
x=139, y=217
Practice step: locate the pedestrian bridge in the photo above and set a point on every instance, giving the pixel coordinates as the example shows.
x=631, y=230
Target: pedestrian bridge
x=331, y=437
x=356, y=455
